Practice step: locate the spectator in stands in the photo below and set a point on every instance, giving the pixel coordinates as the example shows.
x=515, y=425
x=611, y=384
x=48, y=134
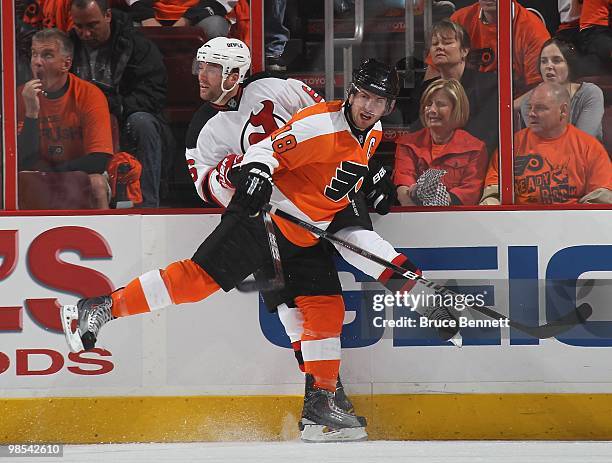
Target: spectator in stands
x=595, y=36
x=43, y=14
x=63, y=121
x=480, y=21
x=276, y=34
x=450, y=45
x=441, y=164
x=569, y=15
x=558, y=62
x=209, y=15
x=130, y=71
x=554, y=162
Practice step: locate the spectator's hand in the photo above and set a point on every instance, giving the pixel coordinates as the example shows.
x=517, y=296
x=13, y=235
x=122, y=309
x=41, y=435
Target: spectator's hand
x=490, y=196
x=490, y=201
x=151, y=22
x=31, y=98
x=597, y=196
x=182, y=22
x=405, y=195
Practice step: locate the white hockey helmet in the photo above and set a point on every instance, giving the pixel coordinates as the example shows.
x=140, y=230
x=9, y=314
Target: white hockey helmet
x=229, y=53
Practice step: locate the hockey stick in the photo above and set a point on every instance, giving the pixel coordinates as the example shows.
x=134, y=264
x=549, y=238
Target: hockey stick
x=278, y=282
x=548, y=330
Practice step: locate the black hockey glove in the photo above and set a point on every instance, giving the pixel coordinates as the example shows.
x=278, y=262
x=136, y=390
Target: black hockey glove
x=379, y=189
x=253, y=188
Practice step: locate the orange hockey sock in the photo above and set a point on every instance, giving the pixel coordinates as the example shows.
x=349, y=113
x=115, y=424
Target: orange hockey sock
x=323, y=317
x=325, y=373
x=180, y=282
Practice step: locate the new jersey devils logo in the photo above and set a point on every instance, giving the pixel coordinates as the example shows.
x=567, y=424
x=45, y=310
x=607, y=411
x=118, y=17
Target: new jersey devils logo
x=266, y=119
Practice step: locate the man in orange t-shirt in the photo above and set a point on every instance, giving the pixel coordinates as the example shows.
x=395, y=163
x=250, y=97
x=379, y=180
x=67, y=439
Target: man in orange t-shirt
x=63, y=121
x=554, y=162
x=529, y=33
x=595, y=36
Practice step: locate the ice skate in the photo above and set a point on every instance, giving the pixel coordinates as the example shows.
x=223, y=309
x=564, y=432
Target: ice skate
x=342, y=399
x=324, y=421
x=90, y=314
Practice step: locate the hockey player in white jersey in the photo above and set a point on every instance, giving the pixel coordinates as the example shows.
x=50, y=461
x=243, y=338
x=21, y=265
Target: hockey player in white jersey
x=239, y=113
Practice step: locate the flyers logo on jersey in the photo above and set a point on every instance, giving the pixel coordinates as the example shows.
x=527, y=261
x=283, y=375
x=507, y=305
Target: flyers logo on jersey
x=347, y=181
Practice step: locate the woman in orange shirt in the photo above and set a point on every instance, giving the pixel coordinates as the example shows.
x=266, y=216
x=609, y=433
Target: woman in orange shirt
x=441, y=164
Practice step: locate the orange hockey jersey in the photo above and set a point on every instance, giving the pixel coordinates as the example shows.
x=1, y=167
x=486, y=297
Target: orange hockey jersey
x=318, y=165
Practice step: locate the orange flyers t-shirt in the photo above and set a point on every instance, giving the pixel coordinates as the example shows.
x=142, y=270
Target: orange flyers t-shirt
x=529, y=35
x=48, y=14
x=594, y=13
x=172, y=10
x=559, y=170
x=73, y=125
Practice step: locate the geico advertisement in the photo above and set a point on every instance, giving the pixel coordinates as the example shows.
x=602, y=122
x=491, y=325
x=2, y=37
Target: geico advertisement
x=532, y=266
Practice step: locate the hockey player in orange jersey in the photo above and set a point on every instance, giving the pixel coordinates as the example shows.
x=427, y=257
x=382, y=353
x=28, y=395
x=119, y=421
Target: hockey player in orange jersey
x=235, y=116
x=344, y=137
x=238, y=114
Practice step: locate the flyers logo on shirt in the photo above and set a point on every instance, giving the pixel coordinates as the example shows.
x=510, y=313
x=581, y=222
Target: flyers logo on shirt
x=347, y=181
x=541, y=181
x=260, y=125
x=481, y=57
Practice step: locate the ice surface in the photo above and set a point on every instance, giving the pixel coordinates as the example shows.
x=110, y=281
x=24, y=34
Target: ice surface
x=358, y=452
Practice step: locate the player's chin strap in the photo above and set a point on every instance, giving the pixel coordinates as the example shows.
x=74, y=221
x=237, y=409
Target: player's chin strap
x=223, y=93
x=548, y=330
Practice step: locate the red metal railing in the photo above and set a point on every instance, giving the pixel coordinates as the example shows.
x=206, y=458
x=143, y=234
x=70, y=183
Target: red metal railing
x=257, y=36
x=9, y=109
x=504, y=68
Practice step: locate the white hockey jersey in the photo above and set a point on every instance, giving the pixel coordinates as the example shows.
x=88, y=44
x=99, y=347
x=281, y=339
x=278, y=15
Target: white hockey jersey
x=262, y=105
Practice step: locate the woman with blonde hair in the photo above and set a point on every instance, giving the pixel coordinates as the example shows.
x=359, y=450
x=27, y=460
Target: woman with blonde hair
x=441, y=164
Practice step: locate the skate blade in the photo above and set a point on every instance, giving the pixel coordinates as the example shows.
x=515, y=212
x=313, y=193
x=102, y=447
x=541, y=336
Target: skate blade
x=457, y=340
x=73, y=338
x=316, y=433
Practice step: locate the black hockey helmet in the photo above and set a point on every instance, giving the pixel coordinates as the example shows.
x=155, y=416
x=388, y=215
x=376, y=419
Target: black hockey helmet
x=378, y=78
